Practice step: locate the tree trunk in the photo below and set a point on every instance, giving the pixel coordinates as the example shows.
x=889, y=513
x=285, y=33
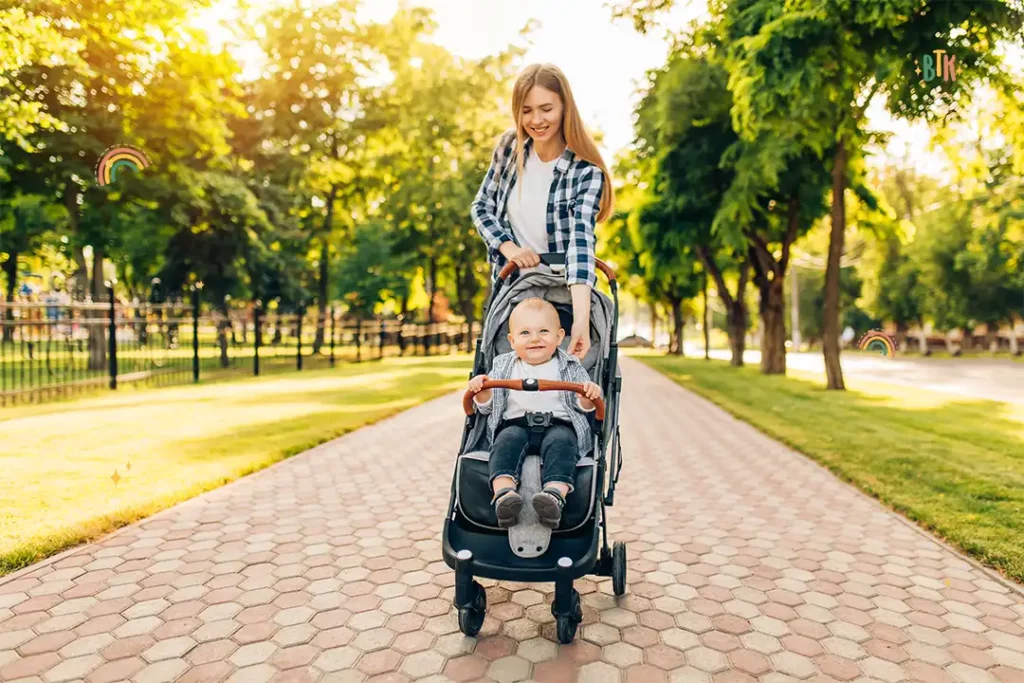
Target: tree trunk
x=773, y=336
x=97, y=330
x=676, y=344
x=321, y=315
x=992, y=337
x=901, y=336
x=465, y=288
x=11, y=270
x=967, y=340
x=1014, y=347
x=951, y=346
x=654, y=326
x=830, y=321
x=735, y=307
x=704, y=322
x=80, y=279
x=737, y=330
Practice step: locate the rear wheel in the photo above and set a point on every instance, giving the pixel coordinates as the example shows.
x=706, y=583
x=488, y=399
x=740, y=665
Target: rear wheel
x=619, y=568
x=471, y=618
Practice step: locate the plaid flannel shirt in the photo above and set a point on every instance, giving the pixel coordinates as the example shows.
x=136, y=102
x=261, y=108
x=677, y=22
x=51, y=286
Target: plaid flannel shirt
x=569, y=370
x=573, y=205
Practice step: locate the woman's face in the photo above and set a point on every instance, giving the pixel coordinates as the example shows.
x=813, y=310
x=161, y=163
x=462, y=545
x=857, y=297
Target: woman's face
x=542, y=114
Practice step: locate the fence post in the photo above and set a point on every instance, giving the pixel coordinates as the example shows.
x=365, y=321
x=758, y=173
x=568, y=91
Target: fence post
x=359, y=338
x=332, y=336
x=113, y=337
x=257, y=338
x=383, y=335
x=298, y=334
x=195, y=331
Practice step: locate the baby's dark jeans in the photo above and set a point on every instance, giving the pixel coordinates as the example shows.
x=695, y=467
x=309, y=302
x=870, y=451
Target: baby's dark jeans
x=558, y=451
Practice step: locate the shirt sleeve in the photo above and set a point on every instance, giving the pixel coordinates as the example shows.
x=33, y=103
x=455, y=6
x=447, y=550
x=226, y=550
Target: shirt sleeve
x=579, y=259
x=581, y=408
x=484, y=209
x=485, y=407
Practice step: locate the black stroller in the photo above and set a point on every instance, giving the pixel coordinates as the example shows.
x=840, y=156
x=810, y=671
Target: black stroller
x=473, y=543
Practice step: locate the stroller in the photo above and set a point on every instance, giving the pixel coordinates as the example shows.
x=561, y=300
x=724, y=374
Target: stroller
x=473, y=543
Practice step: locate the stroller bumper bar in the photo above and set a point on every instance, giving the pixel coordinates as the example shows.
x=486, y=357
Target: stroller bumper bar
x=557, y=260
x=531, y=385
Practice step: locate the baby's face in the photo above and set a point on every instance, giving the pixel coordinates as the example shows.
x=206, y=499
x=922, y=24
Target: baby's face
x=534, y=335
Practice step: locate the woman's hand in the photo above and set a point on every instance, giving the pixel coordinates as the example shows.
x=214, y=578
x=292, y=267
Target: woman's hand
x=579, y=342
x=522, y=257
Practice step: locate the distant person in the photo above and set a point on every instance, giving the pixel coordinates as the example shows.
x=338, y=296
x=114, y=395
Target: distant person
x=563, y=189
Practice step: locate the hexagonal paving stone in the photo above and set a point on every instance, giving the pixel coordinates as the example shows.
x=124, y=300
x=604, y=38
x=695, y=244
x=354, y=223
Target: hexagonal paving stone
x=328, y=567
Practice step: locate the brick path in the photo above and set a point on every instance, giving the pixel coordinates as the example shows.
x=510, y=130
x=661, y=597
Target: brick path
x=747, y=562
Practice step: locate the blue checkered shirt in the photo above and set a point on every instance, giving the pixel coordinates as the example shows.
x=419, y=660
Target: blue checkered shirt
x=573, y=205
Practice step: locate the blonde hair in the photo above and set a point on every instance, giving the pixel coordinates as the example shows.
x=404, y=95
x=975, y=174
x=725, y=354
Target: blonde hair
x=577, y=138
x=535, y=304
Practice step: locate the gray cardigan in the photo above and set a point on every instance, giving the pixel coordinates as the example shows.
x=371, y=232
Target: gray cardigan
x=569, y=370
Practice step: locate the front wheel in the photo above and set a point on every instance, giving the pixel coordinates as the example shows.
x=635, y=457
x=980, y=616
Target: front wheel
x=619, y=568
x=471, y=618
x=566, y=627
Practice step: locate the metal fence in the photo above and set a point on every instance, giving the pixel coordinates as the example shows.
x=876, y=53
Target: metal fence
x=49, y=352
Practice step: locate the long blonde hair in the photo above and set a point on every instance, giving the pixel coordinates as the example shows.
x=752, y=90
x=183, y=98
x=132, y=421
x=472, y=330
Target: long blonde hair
x=577, y=138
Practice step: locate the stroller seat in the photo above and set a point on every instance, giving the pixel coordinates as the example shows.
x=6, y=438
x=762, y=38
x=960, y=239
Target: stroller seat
x=473, y=494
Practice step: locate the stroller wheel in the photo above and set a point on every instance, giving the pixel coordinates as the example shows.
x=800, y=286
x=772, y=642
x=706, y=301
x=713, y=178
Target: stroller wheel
x=565, y=624
x=566, y=627
x=619, y=568
x=472, y=618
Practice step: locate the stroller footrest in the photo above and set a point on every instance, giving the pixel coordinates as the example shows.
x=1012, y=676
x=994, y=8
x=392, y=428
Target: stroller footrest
x=529, y=538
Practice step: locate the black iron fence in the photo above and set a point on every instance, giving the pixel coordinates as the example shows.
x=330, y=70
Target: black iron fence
x=49, y=352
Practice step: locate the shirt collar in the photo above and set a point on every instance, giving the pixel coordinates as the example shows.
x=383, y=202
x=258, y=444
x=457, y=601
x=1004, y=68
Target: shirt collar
x=562, y=165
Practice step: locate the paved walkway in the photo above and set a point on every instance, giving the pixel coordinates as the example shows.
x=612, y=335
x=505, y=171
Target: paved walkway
x=992, y=379
x=747, y=562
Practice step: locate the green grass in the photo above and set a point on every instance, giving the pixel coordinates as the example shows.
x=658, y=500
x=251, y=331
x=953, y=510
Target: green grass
x=954, y=466
x=57, y=461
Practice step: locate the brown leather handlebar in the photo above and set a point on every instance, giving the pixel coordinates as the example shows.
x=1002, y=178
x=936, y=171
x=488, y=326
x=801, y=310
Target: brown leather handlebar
x=511, y=267
x=542, y=385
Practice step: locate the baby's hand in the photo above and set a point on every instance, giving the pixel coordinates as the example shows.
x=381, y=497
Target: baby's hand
x=477, y=383
x=592, y=390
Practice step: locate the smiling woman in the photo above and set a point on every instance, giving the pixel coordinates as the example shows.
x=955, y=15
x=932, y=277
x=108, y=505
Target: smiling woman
x=563, y=188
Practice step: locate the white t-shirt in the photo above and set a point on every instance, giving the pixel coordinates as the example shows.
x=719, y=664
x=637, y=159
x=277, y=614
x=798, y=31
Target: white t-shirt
x=529, y=216
x=519, y=402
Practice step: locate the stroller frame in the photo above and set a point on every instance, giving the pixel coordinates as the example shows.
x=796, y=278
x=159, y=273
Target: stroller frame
x=605, y=561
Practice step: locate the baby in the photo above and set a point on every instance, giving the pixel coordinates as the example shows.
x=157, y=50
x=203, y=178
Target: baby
x=535, y=333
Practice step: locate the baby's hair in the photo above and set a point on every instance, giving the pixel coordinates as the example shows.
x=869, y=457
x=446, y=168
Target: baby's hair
x=535, y=304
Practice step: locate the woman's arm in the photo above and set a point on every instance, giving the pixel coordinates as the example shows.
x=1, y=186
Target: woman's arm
x=581, y=271
x=484, y=209
x=579, y=257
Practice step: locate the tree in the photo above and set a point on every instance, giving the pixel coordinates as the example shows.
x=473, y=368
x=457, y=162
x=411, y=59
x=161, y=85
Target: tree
x=808, y=69
x=28, y=39
x=369, y=269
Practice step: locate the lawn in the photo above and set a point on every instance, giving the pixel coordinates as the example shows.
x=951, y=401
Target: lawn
x=167, y=445
x=955, y=466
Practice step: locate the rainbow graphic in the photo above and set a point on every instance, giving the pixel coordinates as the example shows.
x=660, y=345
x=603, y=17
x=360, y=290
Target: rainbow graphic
x=115, y=160
x=879, y=341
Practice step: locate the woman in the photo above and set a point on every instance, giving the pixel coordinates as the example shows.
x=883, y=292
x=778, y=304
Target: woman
x=564, y=190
